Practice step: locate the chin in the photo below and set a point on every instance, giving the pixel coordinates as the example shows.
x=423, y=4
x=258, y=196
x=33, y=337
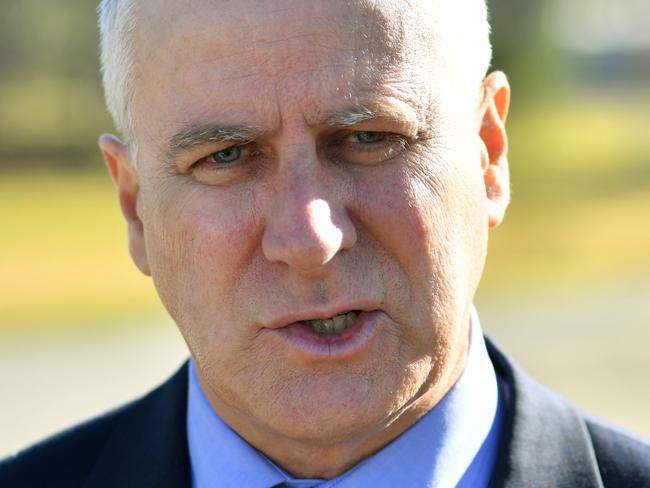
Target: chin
x=328, y=428
x=333, y=408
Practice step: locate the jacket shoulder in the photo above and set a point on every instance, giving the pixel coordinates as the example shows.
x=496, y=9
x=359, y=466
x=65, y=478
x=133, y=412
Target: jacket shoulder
x=141, y=444
x=546, y=441
x=623, y=459
x=64, y=459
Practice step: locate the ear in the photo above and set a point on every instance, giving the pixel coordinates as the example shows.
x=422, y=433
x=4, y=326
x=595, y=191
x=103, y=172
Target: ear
x=118, y=162
x=494, y=154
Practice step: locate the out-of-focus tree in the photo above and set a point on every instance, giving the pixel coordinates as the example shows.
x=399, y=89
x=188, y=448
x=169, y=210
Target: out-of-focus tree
x=522, y=47
x=50, y=91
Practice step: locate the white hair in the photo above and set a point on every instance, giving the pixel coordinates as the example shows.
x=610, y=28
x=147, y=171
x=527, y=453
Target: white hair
x=117, y=25
x=468, y=30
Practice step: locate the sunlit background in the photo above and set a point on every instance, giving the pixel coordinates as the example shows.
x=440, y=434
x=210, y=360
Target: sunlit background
x=567, y=285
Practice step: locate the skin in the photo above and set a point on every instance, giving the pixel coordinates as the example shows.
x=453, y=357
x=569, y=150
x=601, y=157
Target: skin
x=312, y=218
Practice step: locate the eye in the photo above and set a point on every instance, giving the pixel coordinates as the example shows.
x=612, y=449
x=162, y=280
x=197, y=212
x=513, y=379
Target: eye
x=229, y=164
x=367, y=147
x=225, y=156
x=366, y=137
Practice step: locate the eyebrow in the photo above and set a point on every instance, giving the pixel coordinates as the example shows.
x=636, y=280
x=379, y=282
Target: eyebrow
x=360, y=113
x=351, y=116
x=197, y=135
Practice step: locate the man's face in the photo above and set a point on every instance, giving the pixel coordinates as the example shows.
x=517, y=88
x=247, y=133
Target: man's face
x=299, y=162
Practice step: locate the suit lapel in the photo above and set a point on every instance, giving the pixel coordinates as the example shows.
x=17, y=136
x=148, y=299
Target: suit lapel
x=544, y=441
x=148, y=446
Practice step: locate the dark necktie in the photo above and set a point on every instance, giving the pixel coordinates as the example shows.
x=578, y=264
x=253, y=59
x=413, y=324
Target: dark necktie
x=289, y=484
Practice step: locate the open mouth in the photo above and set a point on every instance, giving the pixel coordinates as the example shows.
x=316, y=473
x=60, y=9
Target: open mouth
x=348, y=334
x=335, y=325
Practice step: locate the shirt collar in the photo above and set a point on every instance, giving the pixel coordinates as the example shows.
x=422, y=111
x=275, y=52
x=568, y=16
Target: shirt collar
x=218, y=455
x=452, y=445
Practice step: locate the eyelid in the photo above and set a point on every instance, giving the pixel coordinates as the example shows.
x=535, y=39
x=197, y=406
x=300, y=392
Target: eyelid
x=232, y=144
x=389, y=125
x=225, y=148
x=355, y=133
x=346, y=151
x=211, y=152
x=389, y=138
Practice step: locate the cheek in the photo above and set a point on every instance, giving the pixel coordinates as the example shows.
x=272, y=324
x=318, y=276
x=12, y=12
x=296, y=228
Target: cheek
x=198, y=242
x=408, y=218
x=425, y=219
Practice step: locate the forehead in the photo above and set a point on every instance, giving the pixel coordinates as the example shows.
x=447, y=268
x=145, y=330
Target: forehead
x=382, y=23
x=252, y=59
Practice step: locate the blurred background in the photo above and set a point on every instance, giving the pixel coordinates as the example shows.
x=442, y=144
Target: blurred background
x=567, y=285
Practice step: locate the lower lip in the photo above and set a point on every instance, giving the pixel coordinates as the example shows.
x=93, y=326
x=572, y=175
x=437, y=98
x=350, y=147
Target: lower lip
x=350, y=343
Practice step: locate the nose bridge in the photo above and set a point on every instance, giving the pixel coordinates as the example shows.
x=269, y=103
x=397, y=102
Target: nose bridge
x=306, y=222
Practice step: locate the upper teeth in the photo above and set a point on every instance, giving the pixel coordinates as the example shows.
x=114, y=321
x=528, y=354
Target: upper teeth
x=334, y=325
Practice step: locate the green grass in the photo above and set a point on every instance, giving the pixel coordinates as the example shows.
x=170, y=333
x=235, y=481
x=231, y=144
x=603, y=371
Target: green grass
x=584, y=135
x=567, y=244
x=64, y=256
x=580, y=211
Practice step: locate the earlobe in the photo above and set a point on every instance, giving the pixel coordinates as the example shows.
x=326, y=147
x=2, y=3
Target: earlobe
x=118, y=161
x=494, y=154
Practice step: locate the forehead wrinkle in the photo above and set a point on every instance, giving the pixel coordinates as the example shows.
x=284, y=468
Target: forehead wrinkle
x=236, y=29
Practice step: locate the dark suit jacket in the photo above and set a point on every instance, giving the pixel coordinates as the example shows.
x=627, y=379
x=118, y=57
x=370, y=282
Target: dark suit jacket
x=545, y=442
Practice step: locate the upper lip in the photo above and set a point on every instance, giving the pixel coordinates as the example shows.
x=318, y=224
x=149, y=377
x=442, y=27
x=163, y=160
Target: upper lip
x=321, y=313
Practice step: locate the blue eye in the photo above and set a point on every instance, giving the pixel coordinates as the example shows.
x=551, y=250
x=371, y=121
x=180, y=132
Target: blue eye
x=366, y=137
x=227, y=155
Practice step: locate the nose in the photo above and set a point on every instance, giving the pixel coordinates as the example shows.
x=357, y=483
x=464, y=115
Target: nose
x=305, y=229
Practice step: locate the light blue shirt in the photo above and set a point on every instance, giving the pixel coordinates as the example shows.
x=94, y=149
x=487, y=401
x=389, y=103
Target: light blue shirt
x=453, y=445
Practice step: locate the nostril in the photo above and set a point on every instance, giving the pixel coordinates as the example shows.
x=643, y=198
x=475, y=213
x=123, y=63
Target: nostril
x=303, y=237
